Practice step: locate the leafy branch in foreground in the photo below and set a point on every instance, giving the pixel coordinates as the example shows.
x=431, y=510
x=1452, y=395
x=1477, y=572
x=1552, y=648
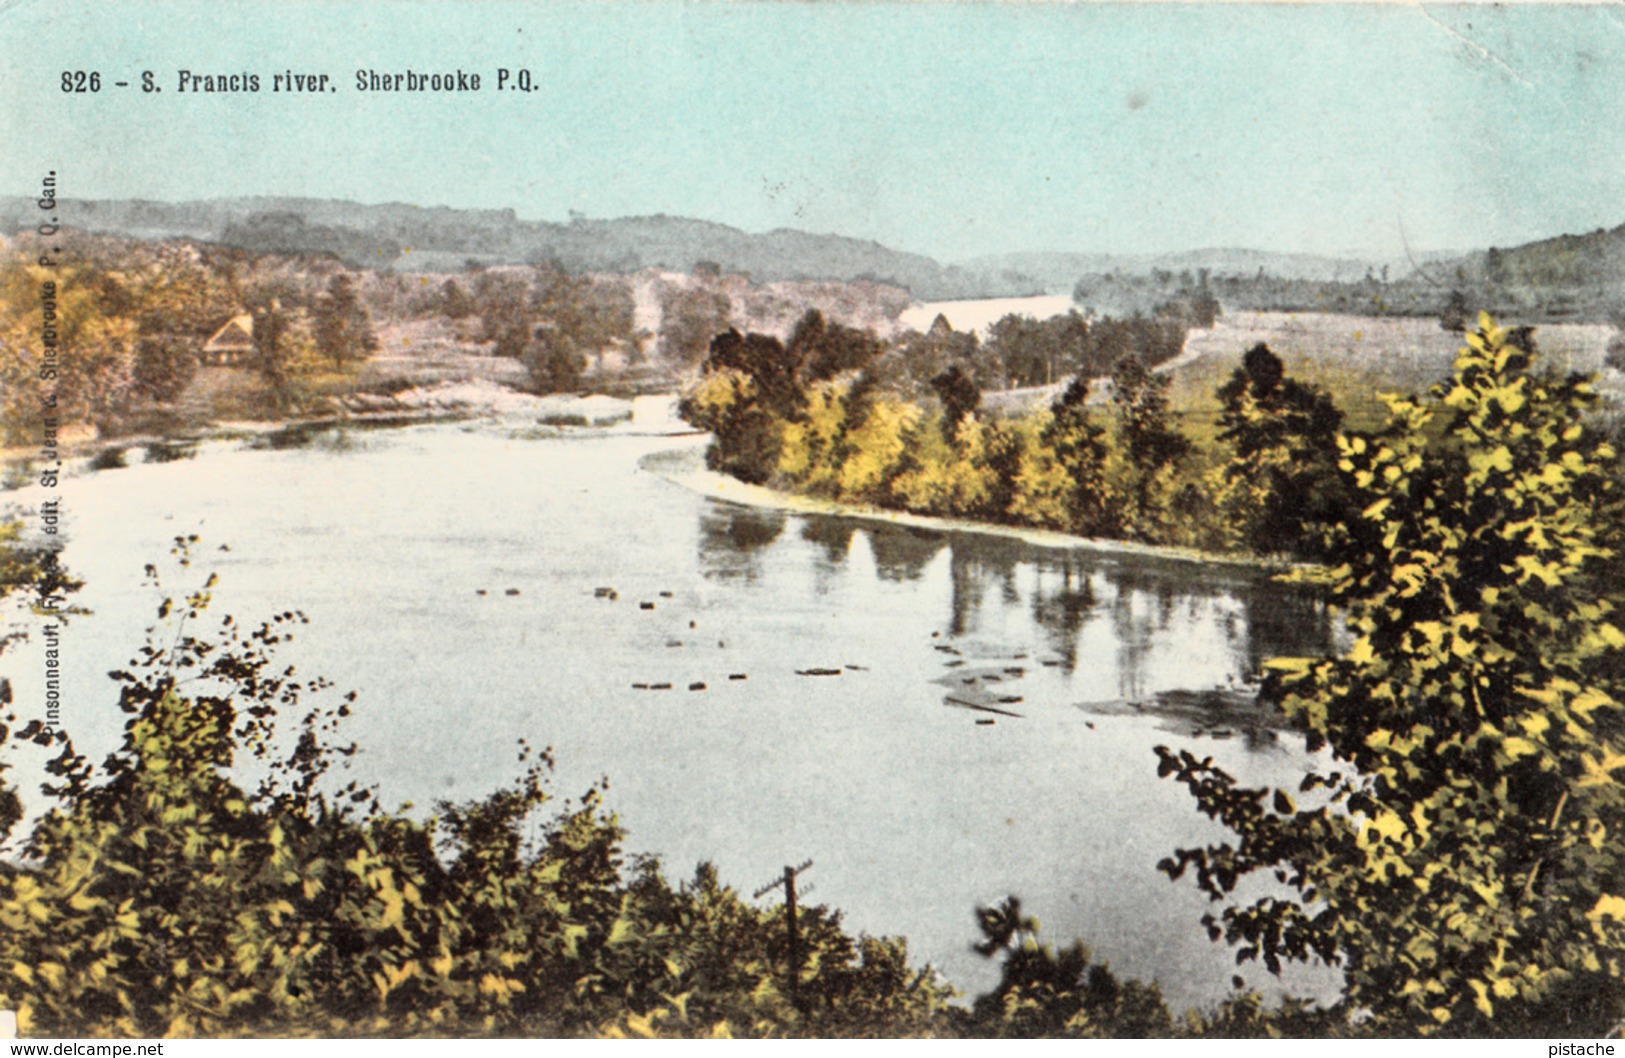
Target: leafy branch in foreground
x=162, y=896
x=1043, y=992
x=1460, y=858
x=30, y=578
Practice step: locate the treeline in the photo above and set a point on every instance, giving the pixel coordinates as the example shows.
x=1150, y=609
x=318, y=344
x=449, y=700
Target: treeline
x=1023, y=351
x=544, y=317
x=1373, y=295
x=1118, y=470
x=1547, y=286
x=131, y=319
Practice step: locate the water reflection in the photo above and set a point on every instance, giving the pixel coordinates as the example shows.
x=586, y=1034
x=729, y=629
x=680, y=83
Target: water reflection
x=902, y=553
x=731, y=538
x=170, y=451
x=1108, y=632
x=331, y=435
x=108, y=459
x=834, y=535
x=833, y=539
x=1280, y=613
x=975, y=565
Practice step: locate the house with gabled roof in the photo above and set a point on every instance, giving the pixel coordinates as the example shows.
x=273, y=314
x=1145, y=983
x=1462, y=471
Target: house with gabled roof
x=232, y=343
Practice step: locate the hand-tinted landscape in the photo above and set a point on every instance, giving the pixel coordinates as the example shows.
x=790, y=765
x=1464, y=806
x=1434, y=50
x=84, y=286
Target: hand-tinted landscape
x=922, y=563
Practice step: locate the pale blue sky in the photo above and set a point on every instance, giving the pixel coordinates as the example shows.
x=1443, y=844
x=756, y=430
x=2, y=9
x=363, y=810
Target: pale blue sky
x=946, y=129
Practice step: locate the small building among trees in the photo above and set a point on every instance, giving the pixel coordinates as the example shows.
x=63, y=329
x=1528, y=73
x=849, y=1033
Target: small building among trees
x=232, y=343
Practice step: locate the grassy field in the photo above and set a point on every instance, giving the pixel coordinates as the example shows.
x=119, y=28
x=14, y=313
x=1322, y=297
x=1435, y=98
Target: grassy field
x=423, y=352
x=1355, y=358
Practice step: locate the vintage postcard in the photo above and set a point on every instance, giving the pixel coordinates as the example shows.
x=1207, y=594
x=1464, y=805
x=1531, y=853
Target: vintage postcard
x=811, y=520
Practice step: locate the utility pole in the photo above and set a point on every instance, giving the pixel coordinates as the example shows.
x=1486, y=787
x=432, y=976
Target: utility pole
x=791, y=926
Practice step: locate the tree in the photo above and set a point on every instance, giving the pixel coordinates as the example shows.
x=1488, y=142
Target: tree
x=1281, y=491
x=1079, y=447
x=175, y=294
x=689, y=318
x=30, y=577
x=1108, y=342
x=825, y=349
x=750, y=389
x=164, y=367
x=1459, y=854
x=553, y=362
x=871, y=450
x=504, y=309
x=592, y=314
x=455, y=304
x=1060, y=465
x=1045, y=993
x=1146, y=448
x=772, y=367
x=922, y=357
x=1031, y=352
x=343, y=329
x=61, y=336
x=960, y=397
x=284, y=353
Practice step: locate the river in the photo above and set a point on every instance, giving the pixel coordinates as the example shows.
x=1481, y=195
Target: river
x=980, y=314
x=983, y=724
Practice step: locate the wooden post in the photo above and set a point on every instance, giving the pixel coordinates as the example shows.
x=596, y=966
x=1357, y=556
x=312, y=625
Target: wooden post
x=791, y=928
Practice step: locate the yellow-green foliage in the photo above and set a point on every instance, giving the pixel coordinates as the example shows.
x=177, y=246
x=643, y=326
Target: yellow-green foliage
x=286, y=357
x=1045, y=493
x=1242, y=495
x=1279, y=490
x=1463, y=862
x=1038, y=470
x=875, y=449
x=1043, y=992
x=940, y=477
x=808, y=453
x=924, y=484
x=1128, y=495
x=749, y=436
x=91, y=364
x=709, y=403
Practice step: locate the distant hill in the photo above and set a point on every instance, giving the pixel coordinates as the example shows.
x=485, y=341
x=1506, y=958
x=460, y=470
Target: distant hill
x=1568, y=276
x=1564, y=278
x=414, y=238
x=1590, y=265
x=1057, y=272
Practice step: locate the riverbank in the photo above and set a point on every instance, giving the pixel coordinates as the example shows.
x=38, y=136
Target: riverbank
x=420, y=552
x=686, y=467
x=443, y=402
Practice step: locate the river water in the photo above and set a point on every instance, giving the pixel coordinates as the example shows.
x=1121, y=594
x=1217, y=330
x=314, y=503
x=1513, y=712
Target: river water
x=980, y=314
x=935, y=719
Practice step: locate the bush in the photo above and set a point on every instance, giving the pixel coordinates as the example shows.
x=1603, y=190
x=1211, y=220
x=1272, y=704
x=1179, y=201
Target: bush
x=1042, y=992
x=1460, y=856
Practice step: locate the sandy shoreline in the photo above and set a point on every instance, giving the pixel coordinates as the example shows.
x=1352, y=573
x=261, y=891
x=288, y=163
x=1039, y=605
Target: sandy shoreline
x=686, y=467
